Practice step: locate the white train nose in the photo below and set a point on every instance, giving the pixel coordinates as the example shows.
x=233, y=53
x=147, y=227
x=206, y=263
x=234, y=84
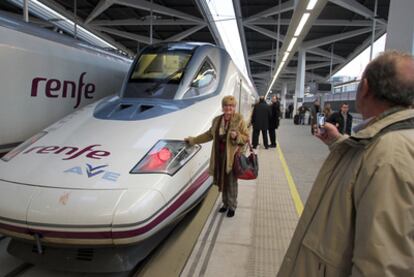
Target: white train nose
x=81, y=216
x=76, y=209
x=14, y=201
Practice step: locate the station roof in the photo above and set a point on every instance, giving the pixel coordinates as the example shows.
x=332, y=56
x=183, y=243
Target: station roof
x=340, y=32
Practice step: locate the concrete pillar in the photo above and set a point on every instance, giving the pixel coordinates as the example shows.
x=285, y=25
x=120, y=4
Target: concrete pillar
x=300, y=81
x=26, y=10
x=322, y=100
x=400, y=28
x=284, y=92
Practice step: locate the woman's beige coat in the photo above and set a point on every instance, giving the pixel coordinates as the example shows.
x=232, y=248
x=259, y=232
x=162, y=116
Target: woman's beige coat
x=236, y=123
x=359, y=217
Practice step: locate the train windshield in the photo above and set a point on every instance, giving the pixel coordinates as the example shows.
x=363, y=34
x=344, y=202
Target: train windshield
x=157, y=73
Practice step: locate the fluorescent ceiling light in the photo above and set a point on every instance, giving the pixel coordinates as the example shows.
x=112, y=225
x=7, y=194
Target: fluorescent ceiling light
x=50, y=15
x=302, y=23
x=285, y=56
x=274, y=79
x=311, y=4
x=292, y=42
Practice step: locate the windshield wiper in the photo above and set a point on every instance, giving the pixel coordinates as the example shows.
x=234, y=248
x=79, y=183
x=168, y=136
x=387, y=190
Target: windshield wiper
x=157, y=85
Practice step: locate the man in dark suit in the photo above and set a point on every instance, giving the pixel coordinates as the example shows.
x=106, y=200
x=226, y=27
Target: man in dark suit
x=342, y=119
x=260, y=120
x=274, y=121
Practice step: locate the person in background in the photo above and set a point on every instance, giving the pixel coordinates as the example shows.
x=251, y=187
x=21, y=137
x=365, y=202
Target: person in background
x=274, y=121
x=342, y=119
x=315, y=109
x=302, y=112
x=359, y=217
x=290, y=111
x=260, y=120
x=327, y=110
x=228, y=133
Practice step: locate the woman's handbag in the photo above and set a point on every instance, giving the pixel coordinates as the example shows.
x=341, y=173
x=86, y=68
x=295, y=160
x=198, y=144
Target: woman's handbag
x=245, y=168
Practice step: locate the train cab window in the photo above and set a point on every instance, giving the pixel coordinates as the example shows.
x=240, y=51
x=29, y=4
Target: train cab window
x=157, y=74
x=203, y=82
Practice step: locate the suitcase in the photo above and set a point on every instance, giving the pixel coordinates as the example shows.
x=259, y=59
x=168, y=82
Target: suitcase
x=296, y=119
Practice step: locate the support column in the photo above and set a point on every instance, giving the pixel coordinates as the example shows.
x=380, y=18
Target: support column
x=284, y=92
x=400, y=27
x=151, y=24
x=26, y=10
x=300, y=81
x=75, y=11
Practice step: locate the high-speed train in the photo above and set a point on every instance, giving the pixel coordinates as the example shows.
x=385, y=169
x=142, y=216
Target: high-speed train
x=46, y=75
x=117, y=172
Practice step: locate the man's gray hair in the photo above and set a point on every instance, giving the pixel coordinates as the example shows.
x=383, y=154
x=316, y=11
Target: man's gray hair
x=386, y=81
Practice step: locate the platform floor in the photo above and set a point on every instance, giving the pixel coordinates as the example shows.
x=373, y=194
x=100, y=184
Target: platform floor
x=253, y=243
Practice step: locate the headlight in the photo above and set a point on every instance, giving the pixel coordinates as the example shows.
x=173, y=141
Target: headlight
x=21, y=147
x=166, y=156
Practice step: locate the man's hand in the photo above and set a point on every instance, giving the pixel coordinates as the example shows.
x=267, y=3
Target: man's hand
x=328, y=134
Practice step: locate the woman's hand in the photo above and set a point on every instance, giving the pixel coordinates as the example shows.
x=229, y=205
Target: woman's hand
x=233, y=134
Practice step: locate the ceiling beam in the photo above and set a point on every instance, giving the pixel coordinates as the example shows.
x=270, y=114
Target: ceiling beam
x=102, y=6
x=358, y=8
x=327, y=54
x=287, y=6
x=131, y=36
x=315, y=59
x=293, y=70
x=265, y=32
x=269, y=53
x=266, y=63
x=60, y=9
x=39, y=22
x=319, y=22
x=330, y=39
x=142, y=22
x=318, y=65
x=239, y=16
x=263, y=54
x=359, y=49
x=148, y=6
x=261, y=75
x=186, y=33
x=208, y=18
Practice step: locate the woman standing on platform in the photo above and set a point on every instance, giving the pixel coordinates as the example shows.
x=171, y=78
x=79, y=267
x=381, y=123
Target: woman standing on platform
x=327, y=110
x=228, y=132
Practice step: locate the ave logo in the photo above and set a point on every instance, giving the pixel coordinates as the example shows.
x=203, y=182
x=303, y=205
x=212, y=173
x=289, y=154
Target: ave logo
x=94, y=171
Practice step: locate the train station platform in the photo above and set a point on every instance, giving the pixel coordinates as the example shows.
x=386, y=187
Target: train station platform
x=252, y=243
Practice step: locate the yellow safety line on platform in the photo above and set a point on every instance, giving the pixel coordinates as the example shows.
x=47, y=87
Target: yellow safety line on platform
x=292, y=186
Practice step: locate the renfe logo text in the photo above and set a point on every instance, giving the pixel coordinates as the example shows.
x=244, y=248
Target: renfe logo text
x=70, y=151
x=53, y=88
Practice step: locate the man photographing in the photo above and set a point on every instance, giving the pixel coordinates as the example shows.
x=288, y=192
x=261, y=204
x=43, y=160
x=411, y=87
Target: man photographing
x=359, y=217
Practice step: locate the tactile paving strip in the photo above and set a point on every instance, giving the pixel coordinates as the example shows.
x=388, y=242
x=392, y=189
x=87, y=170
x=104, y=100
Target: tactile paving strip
x=275, y=217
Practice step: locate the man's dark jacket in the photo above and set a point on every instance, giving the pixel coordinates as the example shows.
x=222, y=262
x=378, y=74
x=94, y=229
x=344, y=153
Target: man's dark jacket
x=338, y=118
x=274, y=121
x=261, y=116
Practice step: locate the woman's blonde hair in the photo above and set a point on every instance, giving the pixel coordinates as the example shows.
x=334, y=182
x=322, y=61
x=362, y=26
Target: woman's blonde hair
x=228, y=100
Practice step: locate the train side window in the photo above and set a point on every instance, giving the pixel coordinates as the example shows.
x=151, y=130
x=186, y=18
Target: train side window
x=203, y=82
